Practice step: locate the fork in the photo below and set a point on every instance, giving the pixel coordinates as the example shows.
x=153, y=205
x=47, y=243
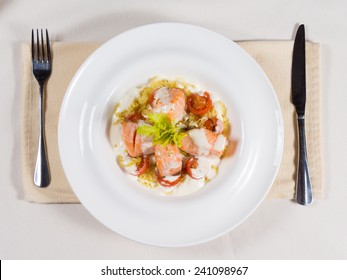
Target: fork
x=42, y=69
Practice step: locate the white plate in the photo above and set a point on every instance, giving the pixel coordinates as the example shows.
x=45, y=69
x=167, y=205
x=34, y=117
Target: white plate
x=172, y=50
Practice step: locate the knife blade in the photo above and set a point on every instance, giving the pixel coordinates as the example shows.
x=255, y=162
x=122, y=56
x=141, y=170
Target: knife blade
x=303, y=182
x=299, y=72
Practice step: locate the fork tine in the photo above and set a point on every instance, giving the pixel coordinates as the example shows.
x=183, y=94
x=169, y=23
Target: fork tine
x=42, y=46
x=38, y=45
x=48, y=47
x=32, y=45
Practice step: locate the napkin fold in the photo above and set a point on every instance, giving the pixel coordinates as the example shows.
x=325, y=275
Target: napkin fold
x=275, y=57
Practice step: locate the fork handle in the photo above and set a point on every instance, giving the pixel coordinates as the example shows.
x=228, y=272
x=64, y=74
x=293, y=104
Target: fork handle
x=303, y=182
x=42, y=177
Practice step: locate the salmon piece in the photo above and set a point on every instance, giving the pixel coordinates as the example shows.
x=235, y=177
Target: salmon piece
x=219, y=145
x=143, y=144
x=128, y=135
x=198, y=142
x=188, y=146
x=203, y=142
x=171, y=101
x=136, y=144
x=168, y=160
x=178, y=100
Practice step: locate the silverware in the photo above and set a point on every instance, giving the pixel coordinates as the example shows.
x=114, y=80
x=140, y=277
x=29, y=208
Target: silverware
x=303, y=183
x=42, y=69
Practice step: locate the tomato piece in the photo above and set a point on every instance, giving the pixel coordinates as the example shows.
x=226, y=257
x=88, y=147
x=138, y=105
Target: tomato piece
x=192, y=163
x=210, y=124
x=142, y=167
x=214, y=125
x=199, y=105
x=135, y=117
x=166, y=183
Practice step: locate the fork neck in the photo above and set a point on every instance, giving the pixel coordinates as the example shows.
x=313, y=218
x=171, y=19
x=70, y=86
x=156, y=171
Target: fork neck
x=41, y=88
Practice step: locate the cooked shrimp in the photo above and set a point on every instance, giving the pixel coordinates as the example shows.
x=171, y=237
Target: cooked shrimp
x=203, y=142
x=168, y=159
x=171, y=101
x=136, y=144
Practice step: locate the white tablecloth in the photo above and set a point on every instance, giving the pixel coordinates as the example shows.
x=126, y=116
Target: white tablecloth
x=278, y=229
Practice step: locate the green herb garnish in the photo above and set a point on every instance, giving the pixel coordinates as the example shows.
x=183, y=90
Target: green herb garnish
x=162, y=130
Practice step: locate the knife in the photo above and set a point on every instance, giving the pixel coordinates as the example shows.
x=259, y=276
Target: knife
x=303, y=183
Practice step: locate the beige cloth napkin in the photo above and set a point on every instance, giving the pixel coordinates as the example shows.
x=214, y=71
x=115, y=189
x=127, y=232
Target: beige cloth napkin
x=273, y=56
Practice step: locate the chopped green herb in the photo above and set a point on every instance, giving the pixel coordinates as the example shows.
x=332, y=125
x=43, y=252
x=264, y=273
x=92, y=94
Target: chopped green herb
x=162, y=130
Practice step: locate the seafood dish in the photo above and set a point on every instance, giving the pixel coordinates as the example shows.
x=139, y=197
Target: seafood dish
x=171, y=135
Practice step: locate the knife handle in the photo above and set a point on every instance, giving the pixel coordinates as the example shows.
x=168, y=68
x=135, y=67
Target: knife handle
x=303, y=183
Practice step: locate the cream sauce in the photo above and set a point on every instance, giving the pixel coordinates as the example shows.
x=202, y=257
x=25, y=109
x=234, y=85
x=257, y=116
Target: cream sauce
x=219, y=145
x=199, y=138
x=162, y=97
x=218, y=108
x=202, y=169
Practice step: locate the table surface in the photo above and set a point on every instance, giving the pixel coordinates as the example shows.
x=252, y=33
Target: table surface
x=278, y=229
